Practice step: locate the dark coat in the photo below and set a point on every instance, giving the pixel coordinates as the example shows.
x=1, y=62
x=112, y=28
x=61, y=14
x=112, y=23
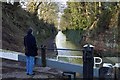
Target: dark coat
x=30, y=45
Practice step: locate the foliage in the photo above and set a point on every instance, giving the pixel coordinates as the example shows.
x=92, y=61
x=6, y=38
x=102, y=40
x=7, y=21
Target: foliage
x=79, y=15
x=33, y=6
x=107, y=13
x=88, y=15
x=44, y=10
x=98, y=22
x=48, y=12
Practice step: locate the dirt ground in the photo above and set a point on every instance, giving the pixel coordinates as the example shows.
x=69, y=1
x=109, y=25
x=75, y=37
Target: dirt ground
x=16, y=70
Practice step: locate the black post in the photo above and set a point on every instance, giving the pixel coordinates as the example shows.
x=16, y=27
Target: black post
x=88, y=62
x=43, y=55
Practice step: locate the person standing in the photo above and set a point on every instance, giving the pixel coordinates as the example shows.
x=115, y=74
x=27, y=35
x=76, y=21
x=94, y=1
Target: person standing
x=30, y=51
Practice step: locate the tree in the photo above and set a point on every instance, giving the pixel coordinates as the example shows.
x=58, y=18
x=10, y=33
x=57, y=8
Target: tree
x=33, y=6
x=79, y=15
x=48, y=12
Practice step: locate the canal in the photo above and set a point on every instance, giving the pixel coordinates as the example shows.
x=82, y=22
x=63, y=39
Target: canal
x=66, y=55
x=63, y=42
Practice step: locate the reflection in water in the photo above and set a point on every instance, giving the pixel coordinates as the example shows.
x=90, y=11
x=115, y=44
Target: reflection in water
x=62, y=42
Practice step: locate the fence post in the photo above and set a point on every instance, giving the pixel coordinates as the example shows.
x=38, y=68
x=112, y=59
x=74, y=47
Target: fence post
x=117, y=71
x=43, y=55
x=88, y=62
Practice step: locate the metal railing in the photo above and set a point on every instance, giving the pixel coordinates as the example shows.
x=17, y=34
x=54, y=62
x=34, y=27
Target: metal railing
x=65, y=56
x=64, y=49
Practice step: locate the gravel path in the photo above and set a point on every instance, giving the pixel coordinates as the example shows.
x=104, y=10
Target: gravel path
x=14, y=69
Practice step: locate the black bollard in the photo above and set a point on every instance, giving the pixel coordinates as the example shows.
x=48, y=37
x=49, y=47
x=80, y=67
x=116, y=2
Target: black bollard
x=43, y=55
x=88, y=62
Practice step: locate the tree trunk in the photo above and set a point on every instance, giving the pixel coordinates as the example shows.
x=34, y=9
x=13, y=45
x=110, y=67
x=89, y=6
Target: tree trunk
x=36, y=9
x=118, y=40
